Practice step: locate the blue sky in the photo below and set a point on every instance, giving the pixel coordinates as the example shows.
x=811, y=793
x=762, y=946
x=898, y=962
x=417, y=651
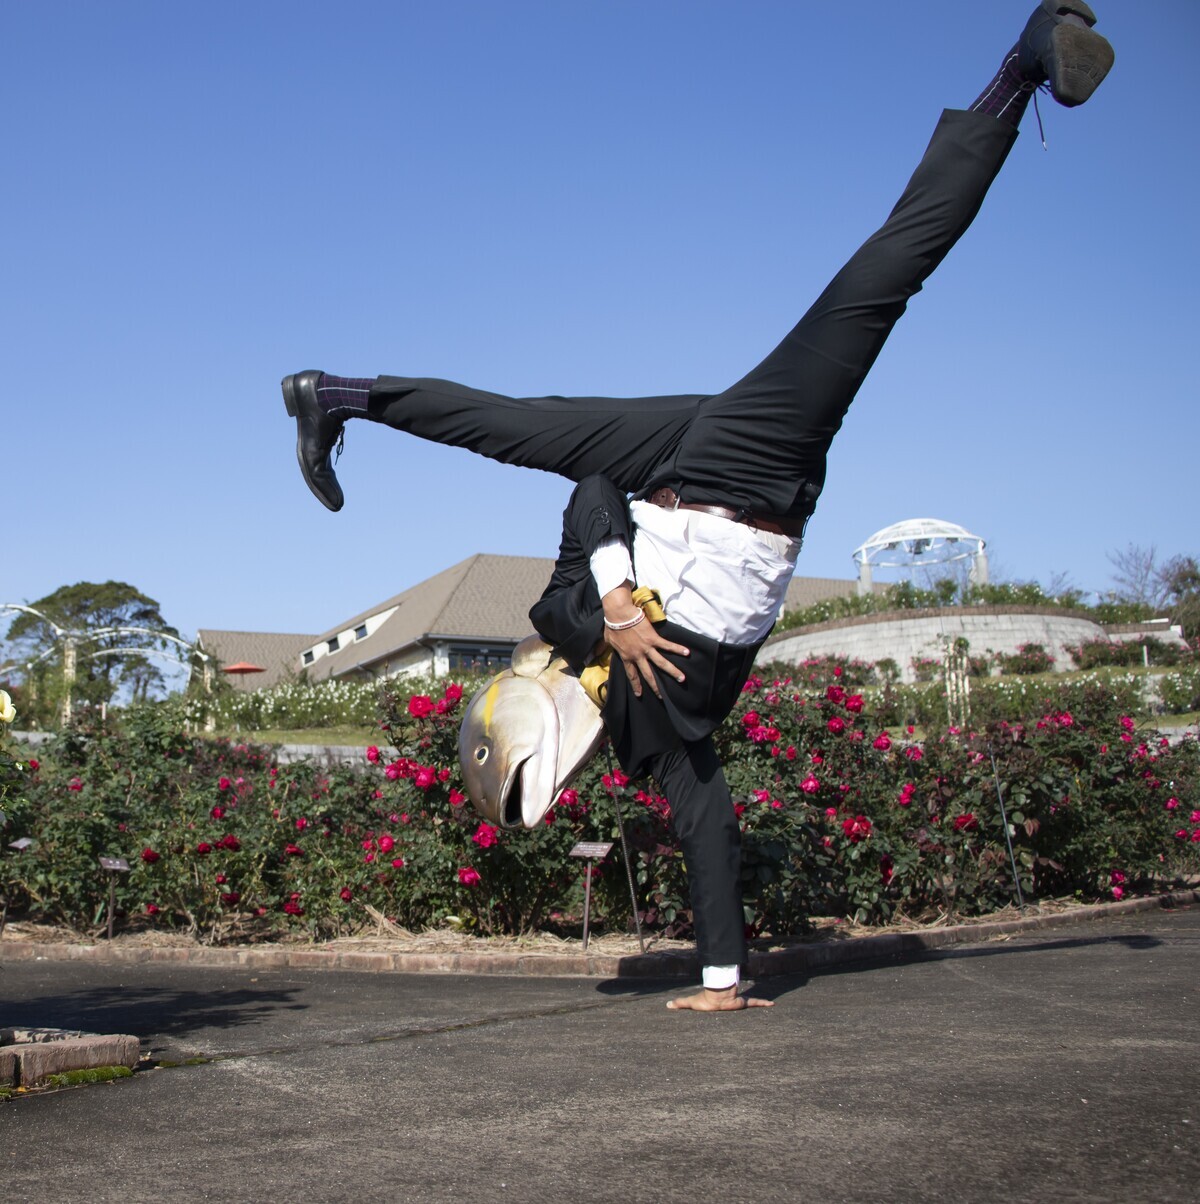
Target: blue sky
x=555, y=196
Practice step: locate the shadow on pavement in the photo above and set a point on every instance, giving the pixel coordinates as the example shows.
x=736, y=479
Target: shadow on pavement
x=138, y=1011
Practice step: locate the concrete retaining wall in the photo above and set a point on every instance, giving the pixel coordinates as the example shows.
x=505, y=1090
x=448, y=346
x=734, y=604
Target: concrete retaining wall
x=907, y=634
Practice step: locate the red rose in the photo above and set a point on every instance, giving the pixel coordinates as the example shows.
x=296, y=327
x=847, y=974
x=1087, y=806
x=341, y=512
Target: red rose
x=453, y=692
x=836, y=725
x=398, y=863
x=810, y=785
x=293, y=908
x=223, y=783
x=217, y=813
x=152, y=909
x=468, y=876
x=486, y=835
x=74, y=784
x=293, y=850
x=456, y=798
x=856, y=829
x=882, y=742
x=35, y=765
x=392, y=772
x=372, y=754
x=835, y=694
x=204, y=848
x=149, y=856
x=231, y=898
x=966, y=823
x=346, y=894
x=424, y=778
x=386, y=843
x=420, y=705
x=229, y=842
x=854, y=703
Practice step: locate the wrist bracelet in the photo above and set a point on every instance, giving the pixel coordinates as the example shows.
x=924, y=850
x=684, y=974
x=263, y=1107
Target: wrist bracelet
x=625, y=624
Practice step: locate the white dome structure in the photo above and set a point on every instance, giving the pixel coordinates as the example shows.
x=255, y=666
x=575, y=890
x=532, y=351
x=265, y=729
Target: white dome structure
x=920, y=543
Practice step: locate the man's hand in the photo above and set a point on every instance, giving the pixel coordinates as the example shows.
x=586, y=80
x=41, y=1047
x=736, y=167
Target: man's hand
x=640, y=647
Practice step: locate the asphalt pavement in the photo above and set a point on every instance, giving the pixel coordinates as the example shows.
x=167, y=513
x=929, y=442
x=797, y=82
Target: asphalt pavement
x=1052, y=1066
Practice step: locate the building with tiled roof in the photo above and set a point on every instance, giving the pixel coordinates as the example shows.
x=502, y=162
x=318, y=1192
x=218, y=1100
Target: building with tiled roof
x=275, y=655
x=471, y=615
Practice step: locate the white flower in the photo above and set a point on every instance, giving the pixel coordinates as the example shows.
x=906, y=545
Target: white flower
x=8, y=712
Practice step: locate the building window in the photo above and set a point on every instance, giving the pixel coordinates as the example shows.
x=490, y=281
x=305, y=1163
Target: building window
x=360, y=632
x=480, y=656
x=309, y=656
x=333, y=644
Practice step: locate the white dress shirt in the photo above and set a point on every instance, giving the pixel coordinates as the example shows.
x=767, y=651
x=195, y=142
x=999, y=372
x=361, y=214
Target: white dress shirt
x=716, y=577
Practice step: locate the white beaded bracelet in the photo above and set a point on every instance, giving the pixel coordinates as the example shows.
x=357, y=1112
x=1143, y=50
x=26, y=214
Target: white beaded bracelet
x=625, y=624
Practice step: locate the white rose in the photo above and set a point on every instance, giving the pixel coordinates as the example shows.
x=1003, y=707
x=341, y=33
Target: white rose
x=8, y=712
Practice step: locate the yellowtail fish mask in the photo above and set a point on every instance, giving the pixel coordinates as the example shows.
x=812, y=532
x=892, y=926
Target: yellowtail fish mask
x=525, y=735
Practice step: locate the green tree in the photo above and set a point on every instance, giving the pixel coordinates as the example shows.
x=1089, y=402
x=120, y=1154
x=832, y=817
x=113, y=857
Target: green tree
x=88, y=615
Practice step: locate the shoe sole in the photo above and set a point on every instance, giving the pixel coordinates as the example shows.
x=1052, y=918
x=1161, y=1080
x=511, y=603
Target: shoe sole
x=1082, y=58
x=293, y=409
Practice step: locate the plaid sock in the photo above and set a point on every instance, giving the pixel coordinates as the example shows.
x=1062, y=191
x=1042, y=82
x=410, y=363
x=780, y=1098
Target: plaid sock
x=1007, y=96
x=344, y=396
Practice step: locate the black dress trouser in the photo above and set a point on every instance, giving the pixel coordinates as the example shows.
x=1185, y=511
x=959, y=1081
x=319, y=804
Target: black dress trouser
x=759, y=445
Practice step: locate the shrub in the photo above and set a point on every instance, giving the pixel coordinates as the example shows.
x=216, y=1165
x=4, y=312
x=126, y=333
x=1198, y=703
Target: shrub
x=844, y=811
x=1028, y=658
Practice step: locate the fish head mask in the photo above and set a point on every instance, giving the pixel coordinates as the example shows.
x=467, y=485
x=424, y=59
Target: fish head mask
x=525, y=735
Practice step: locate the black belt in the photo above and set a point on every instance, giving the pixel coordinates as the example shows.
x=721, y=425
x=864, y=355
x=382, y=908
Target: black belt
x=668, y=499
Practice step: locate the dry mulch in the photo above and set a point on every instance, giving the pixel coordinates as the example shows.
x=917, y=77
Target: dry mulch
x=377, y=933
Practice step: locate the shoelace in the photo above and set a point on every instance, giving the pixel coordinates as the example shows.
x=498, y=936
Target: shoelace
x=341, y=443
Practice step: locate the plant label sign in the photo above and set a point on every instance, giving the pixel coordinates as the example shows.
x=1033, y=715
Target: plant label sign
x=592, y=848
x=117, y=864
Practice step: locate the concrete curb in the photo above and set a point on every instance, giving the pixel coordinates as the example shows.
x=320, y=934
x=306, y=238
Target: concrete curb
x=26, y=1064
x=796, y=959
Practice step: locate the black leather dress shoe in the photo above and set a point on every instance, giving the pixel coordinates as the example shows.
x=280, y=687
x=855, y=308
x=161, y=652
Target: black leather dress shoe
x=1071, y=58
x=316, y=436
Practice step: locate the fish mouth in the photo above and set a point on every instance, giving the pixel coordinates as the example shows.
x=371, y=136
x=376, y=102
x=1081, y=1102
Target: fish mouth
x=511, y=797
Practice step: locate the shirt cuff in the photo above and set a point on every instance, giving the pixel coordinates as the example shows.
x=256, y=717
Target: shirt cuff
x=610, y=565
x=721, y=978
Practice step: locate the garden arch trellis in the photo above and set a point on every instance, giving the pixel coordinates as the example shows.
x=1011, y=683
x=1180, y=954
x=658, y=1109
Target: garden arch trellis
x=70, y=640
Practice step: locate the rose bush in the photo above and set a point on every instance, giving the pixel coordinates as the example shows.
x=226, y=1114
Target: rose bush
x=854, y=800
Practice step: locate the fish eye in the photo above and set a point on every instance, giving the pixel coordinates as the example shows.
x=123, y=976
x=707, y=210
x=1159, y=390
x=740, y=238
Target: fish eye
x=481, y=753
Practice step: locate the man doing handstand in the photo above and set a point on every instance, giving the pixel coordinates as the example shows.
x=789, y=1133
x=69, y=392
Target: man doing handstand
x=722, y=484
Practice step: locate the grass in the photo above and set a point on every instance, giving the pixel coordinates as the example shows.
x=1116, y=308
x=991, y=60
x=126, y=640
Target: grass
x=357, y=737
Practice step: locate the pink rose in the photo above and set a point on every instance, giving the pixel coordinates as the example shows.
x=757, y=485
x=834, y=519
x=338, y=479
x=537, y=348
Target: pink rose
x=1127, y=723
x=486, y=835
x=1118, y=892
